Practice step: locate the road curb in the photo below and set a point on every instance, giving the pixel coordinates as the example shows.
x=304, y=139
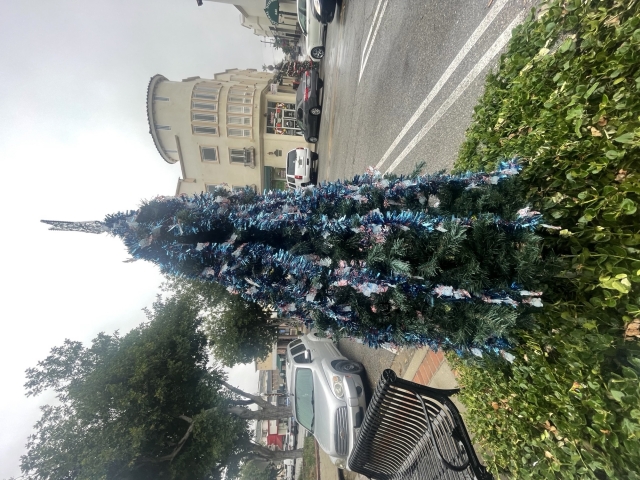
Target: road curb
x=315, y=445
x=407, y=362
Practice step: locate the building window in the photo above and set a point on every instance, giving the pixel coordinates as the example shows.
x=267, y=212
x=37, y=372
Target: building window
x=240, y=188
x=238, y=132
x=207, y=87
x=204, y=106
x=281, y=119
x=245, y=93
x=238, y=109
x=236, y=120
x=158, y=98
x=209, y=154
x=210, y=188
x=202, y=130
x=206, y=95
x=204, y=117
x=236, y=155
x=162, y=127
x=242, y=156
x=239, y=99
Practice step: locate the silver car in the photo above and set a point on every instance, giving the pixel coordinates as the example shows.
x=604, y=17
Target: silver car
x=328, y=394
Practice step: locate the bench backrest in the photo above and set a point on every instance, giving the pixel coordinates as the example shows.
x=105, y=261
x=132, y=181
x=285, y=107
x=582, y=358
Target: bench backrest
x=414, y=432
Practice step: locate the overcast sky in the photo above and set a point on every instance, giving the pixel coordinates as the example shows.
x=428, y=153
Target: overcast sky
x=76, y=146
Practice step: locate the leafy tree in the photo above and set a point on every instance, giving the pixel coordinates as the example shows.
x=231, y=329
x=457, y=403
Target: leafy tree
x=144, y=405
x=360, y=257
x=255, y=470
x=239, y=331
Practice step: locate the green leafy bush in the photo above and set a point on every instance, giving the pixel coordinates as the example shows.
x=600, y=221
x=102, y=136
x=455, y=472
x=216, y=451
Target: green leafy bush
x=566, y=100
x=309, y=459
x=568, y=407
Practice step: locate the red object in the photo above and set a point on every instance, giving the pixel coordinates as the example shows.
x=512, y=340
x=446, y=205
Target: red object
x=275, y=439
x=298, y=177
x=307, y=91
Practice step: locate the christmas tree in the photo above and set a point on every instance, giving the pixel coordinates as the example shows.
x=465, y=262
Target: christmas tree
x=293, y=69
x=439, y=260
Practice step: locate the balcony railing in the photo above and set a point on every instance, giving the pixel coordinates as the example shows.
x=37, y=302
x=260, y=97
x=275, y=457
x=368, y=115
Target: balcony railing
x=249, y=158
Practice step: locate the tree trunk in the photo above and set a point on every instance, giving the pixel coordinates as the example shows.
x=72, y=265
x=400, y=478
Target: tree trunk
x=256, y=399
x=269, y=413
x=241, y=402
x=262, y=452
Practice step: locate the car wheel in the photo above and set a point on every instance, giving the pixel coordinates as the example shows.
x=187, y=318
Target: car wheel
x=347, y=366
x=317, y=53
x=315, y=111
x=314, y=156
x=312, y=139
x=320, y=83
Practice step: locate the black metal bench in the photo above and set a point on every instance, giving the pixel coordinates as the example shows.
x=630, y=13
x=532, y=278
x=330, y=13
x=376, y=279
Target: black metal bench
x=413, y=432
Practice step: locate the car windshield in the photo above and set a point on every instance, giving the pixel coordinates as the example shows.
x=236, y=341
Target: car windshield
x=302, y=15
x=304, y=398
x=291, y=162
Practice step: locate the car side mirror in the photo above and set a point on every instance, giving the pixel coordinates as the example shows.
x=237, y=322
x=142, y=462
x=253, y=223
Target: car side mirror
x=300, y=114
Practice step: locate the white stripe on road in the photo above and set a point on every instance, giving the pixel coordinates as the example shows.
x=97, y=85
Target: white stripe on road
x=368, y=46
x=375, y=16
x=475, y=36
x=471, y=76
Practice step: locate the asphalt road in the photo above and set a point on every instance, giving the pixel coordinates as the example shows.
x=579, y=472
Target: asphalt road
x=385, y=58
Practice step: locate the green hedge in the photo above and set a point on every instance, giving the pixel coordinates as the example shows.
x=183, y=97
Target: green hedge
x=309, y=459
x=566, y=100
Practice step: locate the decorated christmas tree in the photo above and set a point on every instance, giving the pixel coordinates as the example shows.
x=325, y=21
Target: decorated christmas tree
x=293, y=69
x=439, y=260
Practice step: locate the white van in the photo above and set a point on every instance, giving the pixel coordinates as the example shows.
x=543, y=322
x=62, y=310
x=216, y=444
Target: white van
x=302, y=168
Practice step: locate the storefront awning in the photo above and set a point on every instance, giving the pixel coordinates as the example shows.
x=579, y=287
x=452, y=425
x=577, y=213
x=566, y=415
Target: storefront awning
x=277, y=440
x=273, y=11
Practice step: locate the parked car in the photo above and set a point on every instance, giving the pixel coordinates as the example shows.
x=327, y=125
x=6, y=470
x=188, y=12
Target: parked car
x=308, y=108
x=301, y=168
x=293, y=426
x=328, y=387
x=312, y=28
x=289, y=469
x=324, y=10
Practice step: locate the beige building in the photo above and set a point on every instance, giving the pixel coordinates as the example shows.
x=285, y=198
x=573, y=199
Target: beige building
x=267, y=18
x=277, y=357
x=234, y=129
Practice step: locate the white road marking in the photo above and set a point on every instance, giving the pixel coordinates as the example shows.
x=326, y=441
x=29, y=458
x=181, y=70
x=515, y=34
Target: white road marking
x=375, y=16
x=367, y=46
x=475, y=36
x=471, y=76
